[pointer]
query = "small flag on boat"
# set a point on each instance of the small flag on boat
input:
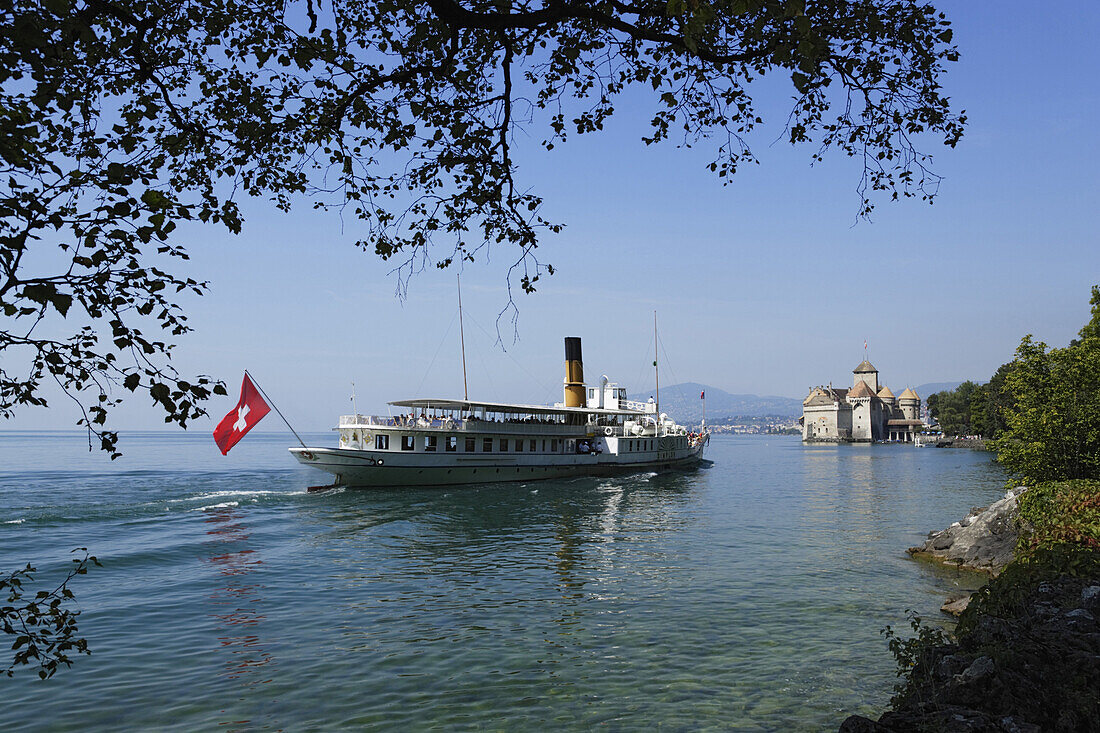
(250, 410)
(703, 395)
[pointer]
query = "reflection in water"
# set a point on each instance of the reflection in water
(242, 620)
(479, 547)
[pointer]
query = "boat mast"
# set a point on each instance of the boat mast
(656, 369)
(462, 338)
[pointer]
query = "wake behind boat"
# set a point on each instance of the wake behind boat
(596, 431)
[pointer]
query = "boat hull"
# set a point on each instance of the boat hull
(369, 469)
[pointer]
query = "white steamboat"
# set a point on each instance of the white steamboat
(596, 431)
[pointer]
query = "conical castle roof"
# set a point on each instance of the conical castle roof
(861, 390)
(885, 393)
(909, 394)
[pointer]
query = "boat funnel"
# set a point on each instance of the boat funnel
(574, 373)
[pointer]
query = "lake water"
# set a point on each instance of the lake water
(747, 595)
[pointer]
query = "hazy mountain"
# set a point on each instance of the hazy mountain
(925, 390)
(682, 403)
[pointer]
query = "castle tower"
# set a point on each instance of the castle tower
(910, 404)
(865, 413)
(867, 374)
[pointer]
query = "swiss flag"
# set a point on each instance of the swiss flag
(703, 395)
(249, 410)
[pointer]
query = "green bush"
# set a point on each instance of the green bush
(1053, 408)
(1062, 513)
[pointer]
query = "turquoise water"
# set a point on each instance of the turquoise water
(747, 595)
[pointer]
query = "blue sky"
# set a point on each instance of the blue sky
(764, 286)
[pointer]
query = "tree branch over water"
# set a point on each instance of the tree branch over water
(123, 119)
(44, 630)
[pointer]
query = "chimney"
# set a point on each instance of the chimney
(574, 373)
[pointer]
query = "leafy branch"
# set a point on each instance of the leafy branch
(44, 630)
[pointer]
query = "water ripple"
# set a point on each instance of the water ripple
(739, 597)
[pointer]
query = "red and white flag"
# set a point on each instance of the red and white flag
(703, 395)
(249, 410)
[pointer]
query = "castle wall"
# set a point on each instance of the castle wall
(861, 420)
(820, 423)
(844, 423)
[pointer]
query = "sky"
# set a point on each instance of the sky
(766, 286)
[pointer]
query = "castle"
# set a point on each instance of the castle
(863, 414)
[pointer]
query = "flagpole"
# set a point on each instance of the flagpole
(462, 338)
(272, 403)
(656, 369)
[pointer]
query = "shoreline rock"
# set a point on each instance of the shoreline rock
(1035, 666)
(984, 540)
(955, 605)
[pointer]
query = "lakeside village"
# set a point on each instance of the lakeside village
(751, 425)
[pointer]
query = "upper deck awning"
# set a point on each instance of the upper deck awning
(507, 408)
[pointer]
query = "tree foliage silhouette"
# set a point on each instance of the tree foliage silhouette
(122, 119)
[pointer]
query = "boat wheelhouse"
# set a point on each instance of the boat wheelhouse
(595, 431)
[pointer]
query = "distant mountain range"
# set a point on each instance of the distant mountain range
(681, 402)
(925, 390)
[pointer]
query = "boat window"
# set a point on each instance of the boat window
(487, 445)
(452, 443)
(381, 442)
(430, 442)
(553, 445)
(519, 445)
(503, 445)
(471, 445)
(544, 445)
(570, 446)
(407, 442)
(531, 447)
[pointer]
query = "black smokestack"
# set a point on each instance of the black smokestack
(573, 349)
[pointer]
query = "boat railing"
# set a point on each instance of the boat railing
(468, 425)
